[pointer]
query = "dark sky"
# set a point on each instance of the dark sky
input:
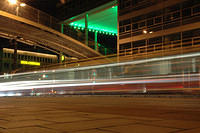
(48, 6)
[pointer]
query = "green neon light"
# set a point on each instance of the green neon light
(104, 22)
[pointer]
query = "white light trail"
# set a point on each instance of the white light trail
(26, 85)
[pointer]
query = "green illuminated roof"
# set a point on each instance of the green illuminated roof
(99, 20)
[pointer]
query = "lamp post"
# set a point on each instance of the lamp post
(13, 42)
(18, 4)
(146, 33)
(13, 2)
(147, 36)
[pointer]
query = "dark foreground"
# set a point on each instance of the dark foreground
(87, 114)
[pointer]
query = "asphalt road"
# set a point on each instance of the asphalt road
(99, 114)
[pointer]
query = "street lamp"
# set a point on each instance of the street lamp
(22, 4)
(146, 32)
(15, 2)
(19, 5)
(13, 42)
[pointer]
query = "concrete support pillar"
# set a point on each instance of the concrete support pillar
(2, 60)
(15, 55)
(86, 29)
(118, 47)
(60, 58)
(105, 51)
(13, 43)
(96, 41)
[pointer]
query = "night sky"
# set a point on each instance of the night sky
(51, 7)
(48, 6)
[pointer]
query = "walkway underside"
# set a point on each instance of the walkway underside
(30, 32)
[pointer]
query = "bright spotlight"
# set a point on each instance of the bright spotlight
(22, 4)
(145, 31)
(12, 2)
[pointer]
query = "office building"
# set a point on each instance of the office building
(153, 25)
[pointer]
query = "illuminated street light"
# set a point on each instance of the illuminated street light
(145, 31)
(22, 4)
(12, 2)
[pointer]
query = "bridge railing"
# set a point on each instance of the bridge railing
(39, 17)
(144, 52)
(43, 18)
(179, 45)
(32, 14)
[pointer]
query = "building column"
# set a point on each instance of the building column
(60, 60)
(86, 29)
(62, 28)
(2, 59)
(118, 45)
(15, 55)
(105, 51)
(96, 41)
(13, 43)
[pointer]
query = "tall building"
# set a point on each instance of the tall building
(153, 25)
(25, 59)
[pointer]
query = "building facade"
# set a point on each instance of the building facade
(25, 59)
(146, 26)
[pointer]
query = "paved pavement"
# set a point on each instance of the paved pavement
(88, 114)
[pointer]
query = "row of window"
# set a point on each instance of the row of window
(10, 66)
(29, 58)
(126, 6)
(185, 36)
(165, 11)
(158, 20)
(128, 3)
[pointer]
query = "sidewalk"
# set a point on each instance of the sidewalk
(99, 115)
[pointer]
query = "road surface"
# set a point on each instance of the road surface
(99, 114)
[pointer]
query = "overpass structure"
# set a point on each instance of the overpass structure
(34, 27)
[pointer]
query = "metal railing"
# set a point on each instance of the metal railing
(43, 18)
(79, 34)
(39, 17)
(32, 14)
(178, 45)
(163, 21)
(144, 52)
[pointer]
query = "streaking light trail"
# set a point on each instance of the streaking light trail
(26, 85)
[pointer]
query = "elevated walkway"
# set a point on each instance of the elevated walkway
(34, 27)
(171, 48)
